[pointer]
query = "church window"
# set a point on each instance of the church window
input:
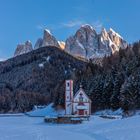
(81, 98)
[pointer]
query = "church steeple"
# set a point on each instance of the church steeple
(68, 97)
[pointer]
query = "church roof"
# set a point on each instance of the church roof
(81, 90)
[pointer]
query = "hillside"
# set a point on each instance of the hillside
(36, 78)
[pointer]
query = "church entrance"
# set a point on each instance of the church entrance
(81, 112)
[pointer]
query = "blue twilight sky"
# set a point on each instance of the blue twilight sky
(22, 20)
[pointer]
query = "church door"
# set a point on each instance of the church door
(81, 112)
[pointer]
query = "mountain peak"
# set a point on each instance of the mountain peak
(88, 44)
(23, 48)
(49, 39)
(48, 31)
(111, 31)
(87, 26)
(104, 32)
(28, 43)
(38, 43)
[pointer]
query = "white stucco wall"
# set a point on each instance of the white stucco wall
(86, 102)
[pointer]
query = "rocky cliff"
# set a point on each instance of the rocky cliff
(48, 40)
(88, 44)
(23, 48)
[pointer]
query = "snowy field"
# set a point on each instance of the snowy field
(33, 128)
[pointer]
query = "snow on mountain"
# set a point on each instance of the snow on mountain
(48, 40)
(115, 33)
(84, 43)
(117, 39)
(87, 26)
(23, 48)
(88, 44)
(41, 65)
(47, 30)
(1, 59)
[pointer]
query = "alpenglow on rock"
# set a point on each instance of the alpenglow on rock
(48, 40)
(117, 39)
(23, 48)
(88, 44)
(61, 44)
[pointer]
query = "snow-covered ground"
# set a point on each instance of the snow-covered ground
(34, 128)
(46, 111)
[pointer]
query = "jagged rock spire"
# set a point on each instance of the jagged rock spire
(88, 44)
(23, 48)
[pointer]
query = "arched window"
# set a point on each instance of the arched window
(68, 84)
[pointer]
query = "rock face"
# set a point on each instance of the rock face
(117, 39)
(38, 43)
(23, 48)
(48, 40)
(84, 43)
(88, 44)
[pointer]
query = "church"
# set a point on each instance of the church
(78, 104)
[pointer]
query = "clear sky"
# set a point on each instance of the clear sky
(22, 20)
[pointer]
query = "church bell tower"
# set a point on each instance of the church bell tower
(68, 97)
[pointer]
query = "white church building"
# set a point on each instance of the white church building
(79, 104)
